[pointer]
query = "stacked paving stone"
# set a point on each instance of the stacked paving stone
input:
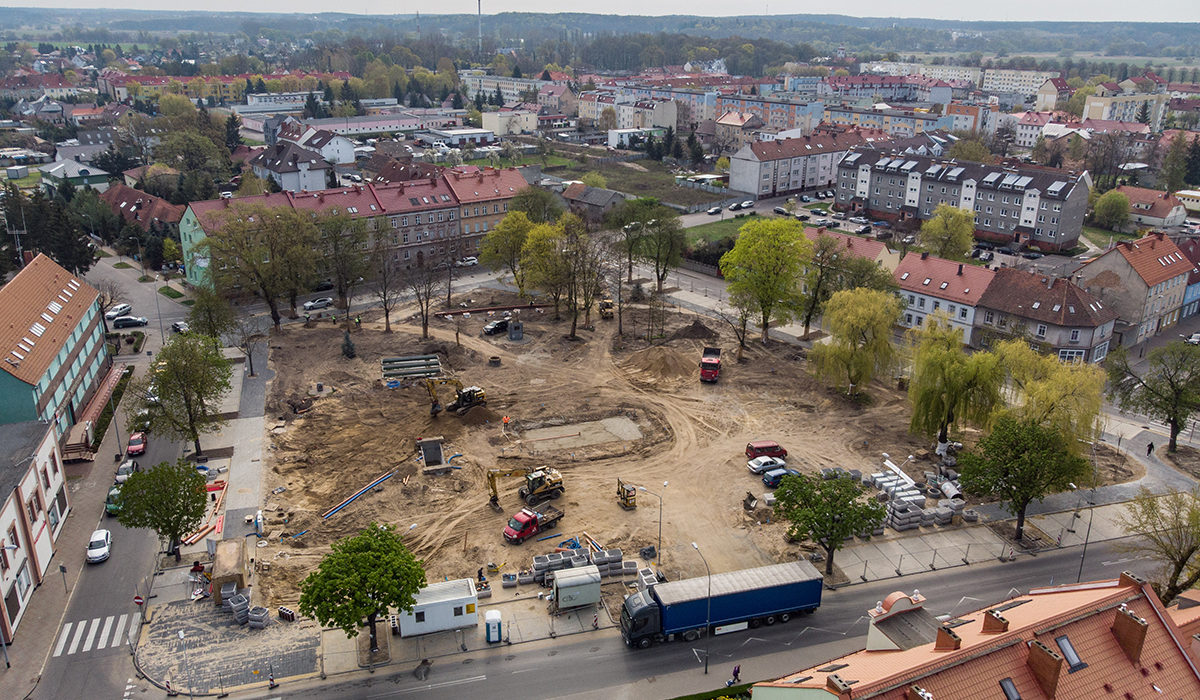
(240, 605)
(258, 618)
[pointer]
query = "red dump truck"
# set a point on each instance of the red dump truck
(710, 364)
(530, 522)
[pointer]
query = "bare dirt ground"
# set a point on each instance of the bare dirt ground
(665, 426)
(1186, 459)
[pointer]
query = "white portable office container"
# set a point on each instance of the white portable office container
(445, 605)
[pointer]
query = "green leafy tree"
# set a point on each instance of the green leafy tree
(826, 511)
(211, 314)
(233, 132)
(184, 389)
(1111, 210)
(1143, 113)
(1021, 461)
(594, 179)
(1166, 529)
(1065, 396)
(501, 247)
(343, 238)
(947, 384)
(764, 269)
(1175, 163)
(538, 204)
(1167, 390)
(971, 149)
(819, 276)
(662, 245)
(169, 499)
(546, 263)
(949, 233)
(191, 152)
(607, 120)
(865, 273)
(363, 578)
(860, 324)
(630, 218)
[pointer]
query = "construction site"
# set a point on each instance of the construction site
(597, 434)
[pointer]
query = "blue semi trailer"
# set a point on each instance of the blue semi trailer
(740, 599)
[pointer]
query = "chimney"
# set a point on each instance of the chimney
(947, 639)
(1131, 579)
(1130, 631)
(834, 683)
(960, 269)
(925, 255)
(916, 692)
(994, 623)
(1046, 666)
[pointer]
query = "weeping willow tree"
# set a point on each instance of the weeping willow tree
(948, 385)
(1062, 396)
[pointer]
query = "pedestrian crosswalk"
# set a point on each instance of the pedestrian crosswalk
(96, 634)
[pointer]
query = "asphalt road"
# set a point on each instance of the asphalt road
(598, 665)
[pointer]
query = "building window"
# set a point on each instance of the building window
(1069, 653)
(1041, 330)
(962, 313)
(24, 583)
(419, 616)
(921, 302)
(1075, 335)
(988, 317)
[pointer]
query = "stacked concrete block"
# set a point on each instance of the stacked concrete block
(258, 618)
(942, 515)
(228, 590)
(646, 578)
(629, 568)
(240, 605)
(901, 516)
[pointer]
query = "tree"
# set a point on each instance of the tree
(169, 499)
(948, 385)
(189, 151)
(211, 314)
(607, 120)
(587, 265)
(538, 204)
(422, 282)
(246, 335)
(818, 277)
(764, 268)
(1175, 163)
(111, 294)
(362, 578)
(252, 185)
(860, 322)
(630, 218)
(1166, 529)
(501, 247)
(1168, 390)
(184, 390)
(594, 179)
(387, 281)
(949, 233)
(1065, 396)
(1021, 461)
(826, 511)
(1111, 210)
(971, 149)
(343, 238)
(233, 132)
(662, 245)
(265, 250)
(1143, 113)
(546, 263)
(722, 164)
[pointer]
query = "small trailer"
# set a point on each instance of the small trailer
(575, 588)
(445, 605)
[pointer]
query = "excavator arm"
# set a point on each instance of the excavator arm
(435, 386)
(493, 475)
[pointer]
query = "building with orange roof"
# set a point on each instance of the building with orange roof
(1152, 208)
(483, 195)
(142, 209)
(52, 340)
(868, 248)
(1101, 639)
(1144, 281)
(929, 284)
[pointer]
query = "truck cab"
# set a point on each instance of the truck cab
(528, 522)
(710, 364)
(641, 621)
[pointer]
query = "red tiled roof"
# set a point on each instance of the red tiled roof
(39, 309)
(1155, 203)
(868, 248)
(485, 185)
(139, 207)
(1055, 301)
(945, 279)
(1154, 258)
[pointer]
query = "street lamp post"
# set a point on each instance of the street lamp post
(157, 312)
(708, 609)
(186, 668)
(141, 260)
(660, 512)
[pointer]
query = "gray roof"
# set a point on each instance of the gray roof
(1050, 182)
(910, 628)
(18, 441)
(70, 168)
(736, 581)
(445, 590)
(285, 157)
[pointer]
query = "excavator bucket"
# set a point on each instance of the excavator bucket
(750, 502)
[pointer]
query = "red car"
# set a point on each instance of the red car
(137, 445)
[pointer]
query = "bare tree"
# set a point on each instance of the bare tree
(423, 283)
(111, 294)
(738, 319)
(246, 335)
(388, 285)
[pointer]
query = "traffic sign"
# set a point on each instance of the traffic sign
(137, 600)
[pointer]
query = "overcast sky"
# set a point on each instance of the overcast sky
(1093, 10)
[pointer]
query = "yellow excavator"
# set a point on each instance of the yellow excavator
(465, 398)
(541, 484)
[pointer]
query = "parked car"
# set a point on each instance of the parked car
(467, 261)
(863, 229)
(805, 198)
(735, 206)
(1193, 339)
(748, 204)
(771, 479)
(780, 211)
(118, 310)
(323, 286)
(821, 222)
(858, 220)
(112, 503)
(713, 211)
(99, 546)
(180, 327)
(320, 303)
(770, 448)
(881, 224)
(984, 245)
(127, 467)
(758, 465)
(1032, 255)
(986, 256)
(839, 214)
(827, 194)
(129, 321)
(801, 216)
(137, 445)
(500, 325)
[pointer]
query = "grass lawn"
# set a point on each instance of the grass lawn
(122, 265)
(1102, 236)
(188, 302)
(170, 292)
(145, 278)
(33, 179)
(719, 229)
(101, 253)
(644, 178)
(817, 206)
(523, 160)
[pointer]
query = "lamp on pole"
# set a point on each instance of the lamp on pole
(186, 669)
(708, 609)
(660, 511)
(141, 260)
(157, 312)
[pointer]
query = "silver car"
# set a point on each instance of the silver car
(99, 546)
(758, 465)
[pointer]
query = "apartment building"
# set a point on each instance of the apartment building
(142, 209)
(646, 114)
(930, 284)
(592, 104)
(733, 130)
(1033, 206)
(1028, 127)
(782, 166)
(775, 113)
(979, 118)
(1008, 81)
(1055, 313)
(694, 105)
(121, 86)
(333, 147)
(1144, 281)
(1052, 95)
(1152, 208)
(52, 338)
(558, 99)
(34, 508)
(511, 89)
(483, 195)
(900, 88)
(949, 74)
(293, 168)
(896, 122)
(1124, 102)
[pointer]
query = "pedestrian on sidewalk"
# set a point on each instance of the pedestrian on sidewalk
(1150, 449)
(736, 678)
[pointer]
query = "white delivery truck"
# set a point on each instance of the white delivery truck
(445, 605)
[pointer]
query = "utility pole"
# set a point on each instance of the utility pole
(479, 19)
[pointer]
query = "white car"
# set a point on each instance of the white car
(763, 464)
(127, 468)
(118, 310)
(467, 261)
(1193, 339)
(99, 546)
(747, 204)
(320, 303)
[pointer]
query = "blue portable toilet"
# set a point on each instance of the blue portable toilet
(492, 627)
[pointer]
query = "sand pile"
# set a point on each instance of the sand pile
(661, 363)
(695, 331)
